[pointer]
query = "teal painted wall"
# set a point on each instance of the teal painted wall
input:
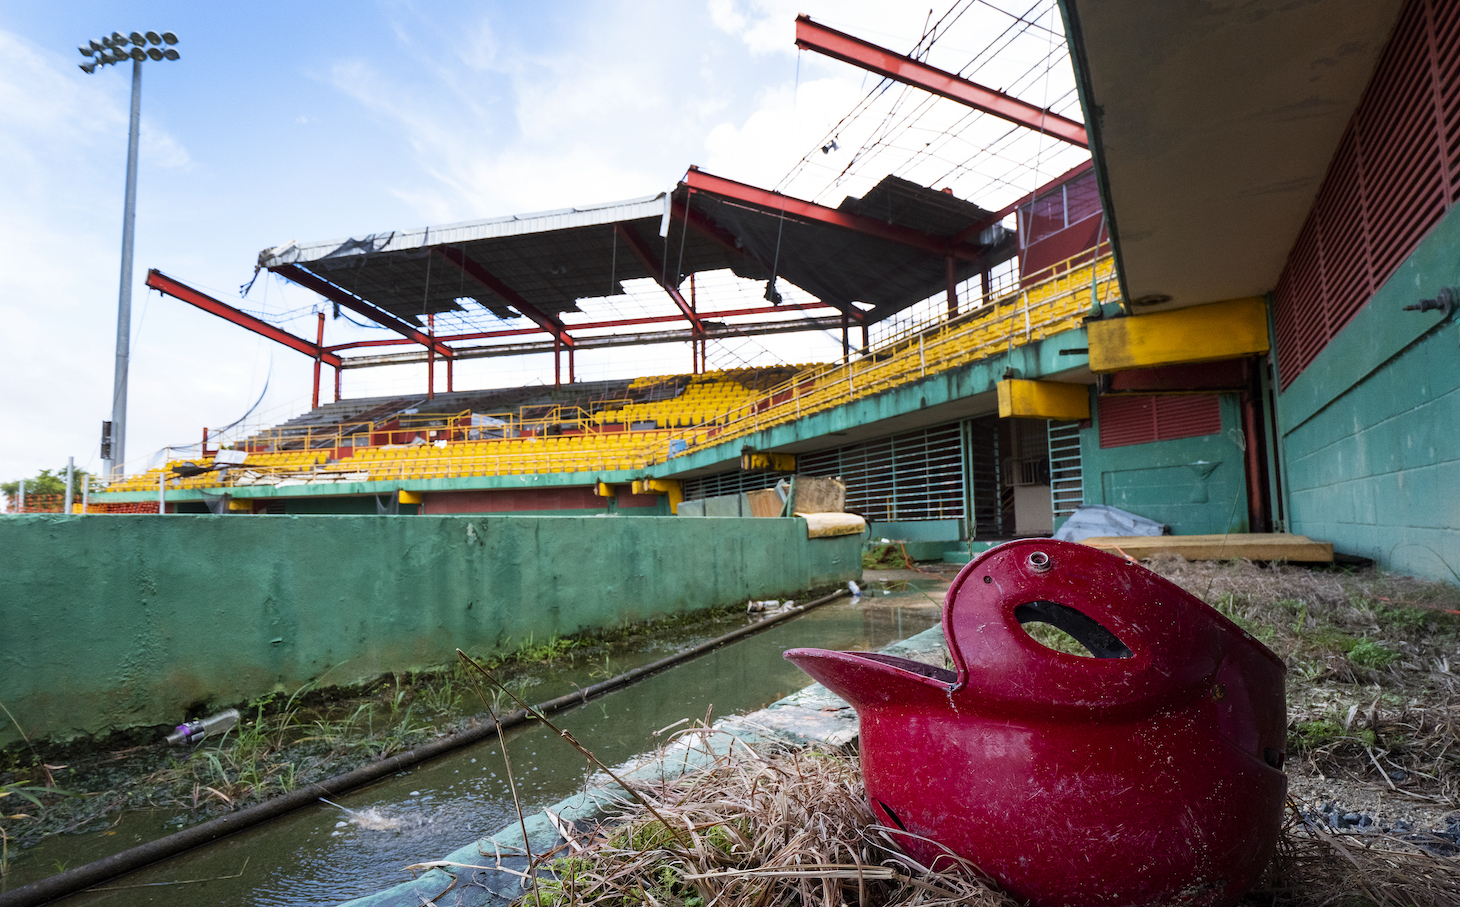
(1371, 429)
(1195, 485)
(123, 621)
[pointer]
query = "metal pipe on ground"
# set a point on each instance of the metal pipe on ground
(95, 873)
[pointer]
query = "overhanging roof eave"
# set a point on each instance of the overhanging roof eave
(468, 231)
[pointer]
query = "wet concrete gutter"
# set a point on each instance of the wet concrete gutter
(470, 874)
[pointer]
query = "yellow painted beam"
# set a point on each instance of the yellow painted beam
(780, 462)
(410, 497)
(605, 490)
(670, 487)
(1043, 399)
(1204, 333)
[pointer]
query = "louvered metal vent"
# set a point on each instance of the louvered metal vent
(1139, 420)
(1395, 174)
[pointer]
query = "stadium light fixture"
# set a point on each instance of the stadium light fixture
(115, 48)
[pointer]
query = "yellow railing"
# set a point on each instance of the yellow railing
(1034, 312)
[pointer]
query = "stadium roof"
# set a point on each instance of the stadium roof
(868, 259)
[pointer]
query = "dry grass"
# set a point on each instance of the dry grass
(1373, 701)
(1373, 667)
(791, 826)
(764, 828)
(1315, 868)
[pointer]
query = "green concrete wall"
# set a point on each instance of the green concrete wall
(122, 621)
(1371, 429)
(1173, 482)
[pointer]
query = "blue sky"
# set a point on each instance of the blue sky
(313, 121)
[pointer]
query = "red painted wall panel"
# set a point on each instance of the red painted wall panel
(513, 500)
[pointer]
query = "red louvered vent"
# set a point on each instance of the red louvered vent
(1395, 174)
(1139, 420)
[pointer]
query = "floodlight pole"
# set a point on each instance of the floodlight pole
(124, 296)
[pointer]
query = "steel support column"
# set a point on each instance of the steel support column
(846, 343)
(431, 358)
(318, 362)
(952, 276)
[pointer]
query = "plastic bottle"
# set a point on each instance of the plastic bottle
(212, 726)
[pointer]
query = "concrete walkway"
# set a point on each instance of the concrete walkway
(488, 872)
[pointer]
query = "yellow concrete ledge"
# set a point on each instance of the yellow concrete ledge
(1204, 333)
(1043, 399)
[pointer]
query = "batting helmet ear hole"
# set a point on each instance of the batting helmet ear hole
(1065, 629)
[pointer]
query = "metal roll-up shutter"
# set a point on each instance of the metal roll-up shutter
(915, 475)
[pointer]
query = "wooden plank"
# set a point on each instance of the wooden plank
(1267, 546)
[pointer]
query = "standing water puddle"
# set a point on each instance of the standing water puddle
(327, 854)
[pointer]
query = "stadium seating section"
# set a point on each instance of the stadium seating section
(617, 426)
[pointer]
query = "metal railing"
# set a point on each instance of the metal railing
(1038, 310)
(575, 439)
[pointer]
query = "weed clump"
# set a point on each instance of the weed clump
(1373, 667)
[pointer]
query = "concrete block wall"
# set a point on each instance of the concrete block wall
(1371, 429)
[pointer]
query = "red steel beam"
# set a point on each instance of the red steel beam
(656, 270)
(443, 338)
(902, 68)
(709, 229)
(481, 275)
(699, 181)
(162, 283)
(351, 301)
(585, 326)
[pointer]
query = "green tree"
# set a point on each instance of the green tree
(47, 482)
